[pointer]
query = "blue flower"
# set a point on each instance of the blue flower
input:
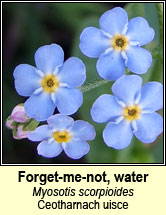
(130, 111)
(62, 133)
(118, 44)
(52, 84)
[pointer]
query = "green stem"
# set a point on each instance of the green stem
(157, 52)
(157, 72)
(159, 7)
(93, 84)
(97, 82)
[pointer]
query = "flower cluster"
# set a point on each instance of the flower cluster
(131, 110)
(53, 83)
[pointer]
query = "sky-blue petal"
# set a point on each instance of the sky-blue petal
(119, 135)
(93, 42)
(140, 31)
(105, 109)
(149, 126)
(48, 57)
(111, 66)
(127, 87)
(83, 130)
(26, 79)
(76, 149)
(68, 100)
(114, 21)
(39, 107)
(151, 96)
(60, 121)
(41, 133)
(49, 150)
(73, 72)
(138, 59)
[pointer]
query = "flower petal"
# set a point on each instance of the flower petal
(127, 87)
(139, 31)
(76, 148)
(111, 65)
(119, 135)
(149, 126)
(114, 21)
(138, 59)
(83, 130)
(93, 42)
(26, 79)
(39, 107)
(105, 109)
(69, 100)
(151, 96)
(73, 72)
(40, 133)
(49, 150)
(48, 57)
(60, 121)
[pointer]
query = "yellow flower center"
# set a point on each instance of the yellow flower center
(61, 136)
(49, 83)
(131, 112)
(119, 42)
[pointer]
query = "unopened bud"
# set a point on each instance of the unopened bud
(9, 124)
(18, 114)
(19, 133)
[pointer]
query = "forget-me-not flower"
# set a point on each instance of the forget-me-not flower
(118, 44)
(52, 84)
(63, 133)
(131, 110)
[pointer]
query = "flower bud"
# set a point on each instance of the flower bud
(18, 114)
(9, 123)
(19, 133)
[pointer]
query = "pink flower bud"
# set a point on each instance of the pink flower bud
(20, 133)
(9, 124)
(18, 114)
